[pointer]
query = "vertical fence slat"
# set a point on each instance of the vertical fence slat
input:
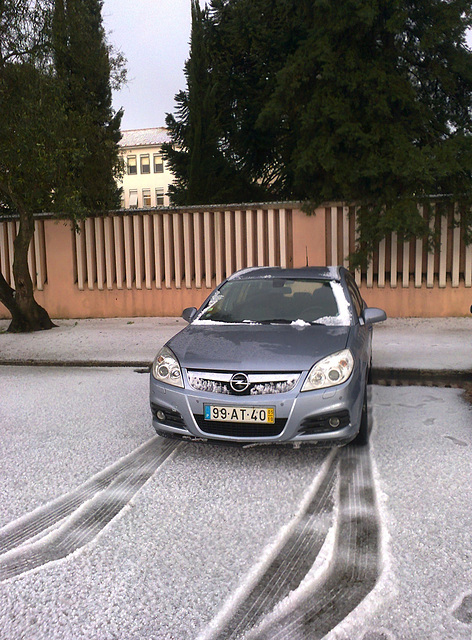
(138, 251)
(219, 246)
(197, 235)
(260, 238)
(358, 271)
(168, 250)
(418, 263)
(346, 237)
(334, 236)
(456, 247)
(393, 260)
(80, 255)
(283, 237)
(129, 251)
(40, 254)
(382, 262)
(208, 248)
(406, 265)
(178, 249)
(239, 238)
(158, 250)
(188, 253)
(229, 243)
(118, 233)
(430, 258)
(272, 243)
(109, 252)
(250, 237)
(419, 257)
(100, 253)
(443, 253)
(90, 253)
(148, 251)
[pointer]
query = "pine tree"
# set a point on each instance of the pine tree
(82, 64)
(204, 174)
(362, 101)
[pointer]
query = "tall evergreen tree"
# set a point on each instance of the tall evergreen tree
(364, 101)
(377, 103)
(204, 174)
(82, 64)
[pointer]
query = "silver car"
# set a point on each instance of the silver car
(272, 356)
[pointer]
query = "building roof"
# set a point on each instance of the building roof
(144, 137)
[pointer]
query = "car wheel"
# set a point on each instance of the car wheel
(362, 438)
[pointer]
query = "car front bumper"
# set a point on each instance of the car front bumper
(299, 416)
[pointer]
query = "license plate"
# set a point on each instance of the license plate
(264, 415)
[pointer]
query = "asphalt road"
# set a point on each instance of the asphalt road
(109, 532)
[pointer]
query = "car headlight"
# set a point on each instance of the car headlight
(333, 370)
(166, 368)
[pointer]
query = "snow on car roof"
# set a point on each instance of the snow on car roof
(317, 273)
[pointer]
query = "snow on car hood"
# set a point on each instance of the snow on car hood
(255, 347)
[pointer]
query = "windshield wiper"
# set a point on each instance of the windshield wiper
(275, 321)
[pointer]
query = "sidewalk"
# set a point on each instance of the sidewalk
(438, 344)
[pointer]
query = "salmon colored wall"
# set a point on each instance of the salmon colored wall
(309, 233)
(421, 302)
(62, 298)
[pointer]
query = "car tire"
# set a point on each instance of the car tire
(362, 438)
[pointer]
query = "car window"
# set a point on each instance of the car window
(274, 300)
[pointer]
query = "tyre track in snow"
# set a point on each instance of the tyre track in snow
(355, 564)
(293, 560)
(66, 524)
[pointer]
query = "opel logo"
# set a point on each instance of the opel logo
(239, 382)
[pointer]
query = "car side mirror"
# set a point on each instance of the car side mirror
(188, 314)
(371, 315)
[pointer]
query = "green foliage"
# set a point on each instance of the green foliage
(204, 172)
(364, 101)
(58, 133)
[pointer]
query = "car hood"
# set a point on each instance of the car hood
(256, 347)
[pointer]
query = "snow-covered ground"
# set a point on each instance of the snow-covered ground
(192, 534)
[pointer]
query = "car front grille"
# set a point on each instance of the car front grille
(257, 383)
(240, 429)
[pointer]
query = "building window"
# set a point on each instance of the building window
(158, 163)
(159, 196)
(146, 197)
(133, 199)
(132, 167)
(145, 166)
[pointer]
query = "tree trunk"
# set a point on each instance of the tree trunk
(27, 314)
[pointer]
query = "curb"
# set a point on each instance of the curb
(386, 376)
(145, 364)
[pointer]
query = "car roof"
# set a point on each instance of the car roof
(308, 273)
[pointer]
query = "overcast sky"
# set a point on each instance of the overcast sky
(154, 36)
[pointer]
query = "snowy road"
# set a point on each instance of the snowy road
(108, 532)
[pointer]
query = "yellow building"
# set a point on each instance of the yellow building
(146, 178)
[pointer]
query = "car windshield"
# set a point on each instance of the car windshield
(278, 301)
